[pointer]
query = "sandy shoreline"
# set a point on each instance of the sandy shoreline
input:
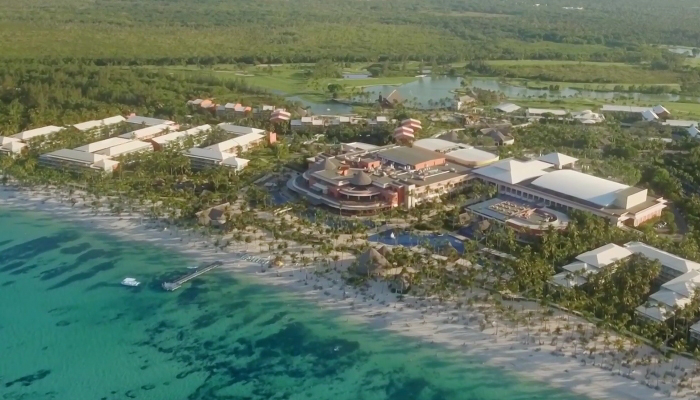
(516, 351)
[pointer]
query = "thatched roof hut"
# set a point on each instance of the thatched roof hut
(370, 262)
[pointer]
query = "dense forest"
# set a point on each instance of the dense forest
(36, 94)
(211, 31)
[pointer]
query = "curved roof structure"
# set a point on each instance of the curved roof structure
(361, 179)
(598, 191)
(472, 157)
(439, 145)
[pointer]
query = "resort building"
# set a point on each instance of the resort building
(208, 158)
(550, 181)
(499, 138)
(147, 121)
(102, 145)
(368, 181)
(588, 117)
(99, 124)
(149, 132)
(525, 218)
(10, 146)
(77, 161)
(404, 134)
(224, 153)
(239, 130)
(169, 139)
(649, 114)
(679, 276)
(28, 135)
(280, 116)
(537, 113)
(458, 153)
(357, 146)
(507, 108)
(577, 272)
(414, 124)
(130, 147)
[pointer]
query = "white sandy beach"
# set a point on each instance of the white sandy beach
(521, 350)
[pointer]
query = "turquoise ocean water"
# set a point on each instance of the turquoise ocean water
(69, 331)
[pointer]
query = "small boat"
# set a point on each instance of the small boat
(392, 235)
(440, 234)
(192, 267)
(336, 348)
(130, 282)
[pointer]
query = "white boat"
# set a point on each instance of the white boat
(130, 282)
(392, 235)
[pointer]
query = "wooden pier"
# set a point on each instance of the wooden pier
(170, 286)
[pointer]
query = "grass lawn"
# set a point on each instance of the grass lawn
(509, 63)
(590, 72)
(289, 79)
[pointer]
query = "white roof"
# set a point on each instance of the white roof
(241, 141)
(507, 107)
(471, 155)
(669, 298)
(148, 121)
(146, 132)
(12, 146)
(76, 156)
(541, 111)
(33, 133)
(240, 130)
(209, 153)
(8, 139)
(659, 109)
(169, 137)
(106, 164)
(567, 279)
(102, 144)
(629, 109)
(580, 266)
(666, 259)
(685, 284)
(654, 312)
(439, 145)
(235, 162)
(124, 148)
(512, 171)
(381, 118)
(230, 105)
(598, 191)
(89, 125)
(362, 146)
(649, 115)
(558, 159)
(693, 131)
(604, 255)
(680, 123)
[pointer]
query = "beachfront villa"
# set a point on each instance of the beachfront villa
(367, 181)
(76, 161)
(551, 181)
(679, 277)
(224, 153)
(14, 145)
(10, 146)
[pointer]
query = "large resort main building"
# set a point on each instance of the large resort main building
(533, 194)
